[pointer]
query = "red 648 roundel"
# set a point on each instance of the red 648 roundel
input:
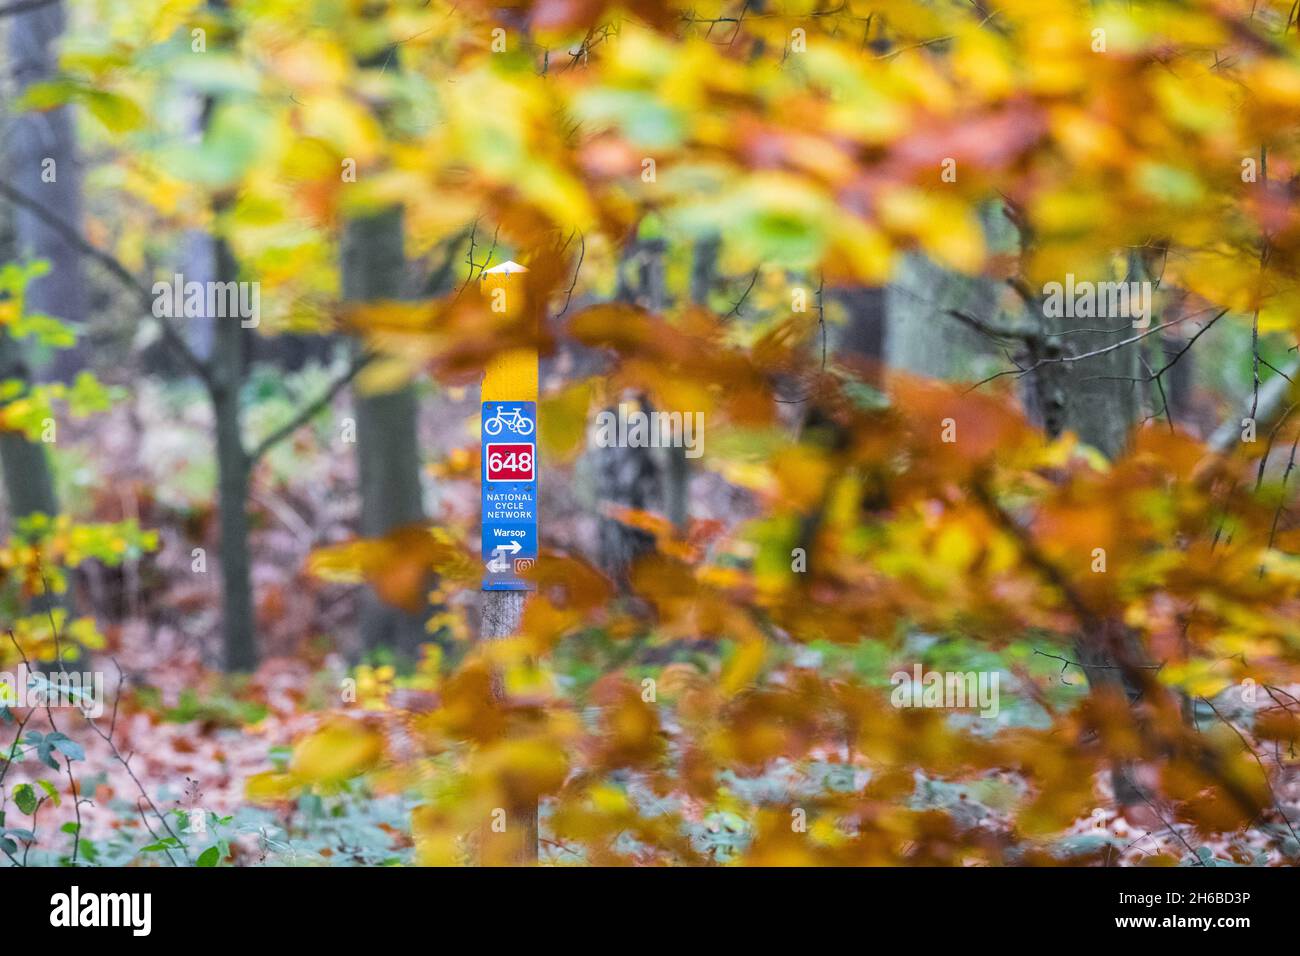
(510, 461)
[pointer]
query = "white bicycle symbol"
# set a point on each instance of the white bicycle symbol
(514, 420)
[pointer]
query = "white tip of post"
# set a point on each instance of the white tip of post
(509, 266)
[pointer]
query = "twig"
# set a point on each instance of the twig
(582, 255)
(990, 329)
(1264, 770)
(144, 794)
(310, 410)
(74, 237)
(1281, 504)
(49, 715)
(1068, 359)
(1170, 828)
(735, 309)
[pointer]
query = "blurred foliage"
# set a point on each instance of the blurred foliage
(723, 697)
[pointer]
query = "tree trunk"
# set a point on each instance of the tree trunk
(628, 477)
(196, 262)
(42, 164)
(704, 265)
(921, 337)
(1103, 396)
(861, 340)
(28, 483)
(1099, 398)
(863, 334)
(238, 633)
(1100, 407)
(43, 167)
(388, 448)
(677, 467)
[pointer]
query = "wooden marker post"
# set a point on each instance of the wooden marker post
(509, 494)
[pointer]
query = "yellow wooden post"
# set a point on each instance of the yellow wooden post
(511, 376)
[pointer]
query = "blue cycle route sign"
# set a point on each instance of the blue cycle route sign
(509, 452)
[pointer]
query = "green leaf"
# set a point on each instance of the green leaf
(1169, 183)
(118, 113)
(237, 137)
(66, 746)
(25, 797)
(210, 856)
(215, 73)
(89, 395)
(643, 118)
(166, 843)
(45, 329)
(47, 96)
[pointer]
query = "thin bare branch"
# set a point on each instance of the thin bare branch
(142, 292)
(310, 410)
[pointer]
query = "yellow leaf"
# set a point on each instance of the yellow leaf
(341, 749)
(744, 665)
(385, 374)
